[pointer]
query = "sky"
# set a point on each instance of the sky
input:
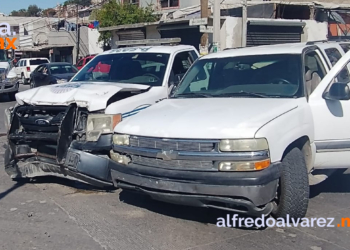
(23, 4)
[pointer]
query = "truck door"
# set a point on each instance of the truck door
(330, 105)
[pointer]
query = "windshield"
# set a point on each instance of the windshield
(62, 69)
(346, 47)
(37, 61)
(3, 57)
(134, 68)
(255, 76)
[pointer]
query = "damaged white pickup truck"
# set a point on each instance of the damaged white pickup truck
(250, 137)
(67, 128)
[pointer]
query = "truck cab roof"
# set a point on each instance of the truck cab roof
(167, 49)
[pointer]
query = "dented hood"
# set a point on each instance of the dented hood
(91, 95)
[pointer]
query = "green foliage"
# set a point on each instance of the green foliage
(32, 11)
(114, 13)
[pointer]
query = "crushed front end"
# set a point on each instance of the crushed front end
(46, 140)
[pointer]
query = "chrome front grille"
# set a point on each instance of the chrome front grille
(174, 164)
(172, 144)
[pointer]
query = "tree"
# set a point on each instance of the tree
(21, 12)
(48, 12)
(114, 13)
(33, 10)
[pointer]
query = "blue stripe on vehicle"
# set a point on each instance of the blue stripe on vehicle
(135, 110)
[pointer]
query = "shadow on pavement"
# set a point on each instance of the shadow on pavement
(75, 184)
(4, 98)
(336, 183)
(206, 216)
(14, 187)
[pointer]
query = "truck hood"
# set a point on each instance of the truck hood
(91, 95)
(207, 118)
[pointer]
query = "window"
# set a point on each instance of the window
(128, 67)
(22, 63)
(345, 47)
(3, 57)
(38, 61)
(314, 71)
(87, 60)
(131, 1)
(80, 63)
(62, 69)
(268, 75)
(334, 56)
(182, 62)
(40, 69)
(169, 3)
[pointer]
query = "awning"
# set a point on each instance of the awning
(274, 22)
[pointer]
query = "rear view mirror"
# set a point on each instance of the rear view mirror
(338, 91)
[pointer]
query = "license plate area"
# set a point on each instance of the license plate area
(72, 160)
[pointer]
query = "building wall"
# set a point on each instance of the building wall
(314, 31)
(182, 3)
(152, 32)
(95, 46)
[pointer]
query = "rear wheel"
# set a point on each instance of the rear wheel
(32, 84)
(293, 191)
(24, 80)
(12, 96)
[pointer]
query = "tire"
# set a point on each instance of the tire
(24, 80)
(12, 96)
(32, 84)
(293, 191)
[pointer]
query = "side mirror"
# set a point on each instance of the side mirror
(338, 91)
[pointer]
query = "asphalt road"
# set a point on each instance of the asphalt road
(56, 213)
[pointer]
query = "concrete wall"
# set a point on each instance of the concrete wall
(314, 31)
(95, 46)
(152, 32)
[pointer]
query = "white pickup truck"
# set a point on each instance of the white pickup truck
(67, 128)
(246, 131)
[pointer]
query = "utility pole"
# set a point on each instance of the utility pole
(244, 23)
(217, 25)
(204, 38)
(77, 34)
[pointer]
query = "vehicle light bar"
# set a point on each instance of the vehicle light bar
(171, 41)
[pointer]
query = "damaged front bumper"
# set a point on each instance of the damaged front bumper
(53, 145)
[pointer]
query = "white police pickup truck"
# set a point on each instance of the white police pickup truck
(246, 131)
(67, 128)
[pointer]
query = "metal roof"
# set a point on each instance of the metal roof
(289, 48)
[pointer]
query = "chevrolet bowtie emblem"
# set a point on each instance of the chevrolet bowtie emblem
(167, 155)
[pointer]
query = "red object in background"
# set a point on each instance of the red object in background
(81, 63)
(103, 68)
(28, 69)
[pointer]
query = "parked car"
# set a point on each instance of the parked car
(67, 128)
(26, 66)
(247, 130)
(82, 62)
(8, 79)
(52, 73)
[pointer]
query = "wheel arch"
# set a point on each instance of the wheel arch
(303, 143)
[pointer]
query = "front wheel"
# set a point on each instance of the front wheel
(32, 84)
(293, 190)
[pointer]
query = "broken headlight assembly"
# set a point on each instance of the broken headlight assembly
(98, 124)
(121, 140)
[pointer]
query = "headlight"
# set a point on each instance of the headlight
(61, 81)
(121, 140)
(243, 145)
(101, 124)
